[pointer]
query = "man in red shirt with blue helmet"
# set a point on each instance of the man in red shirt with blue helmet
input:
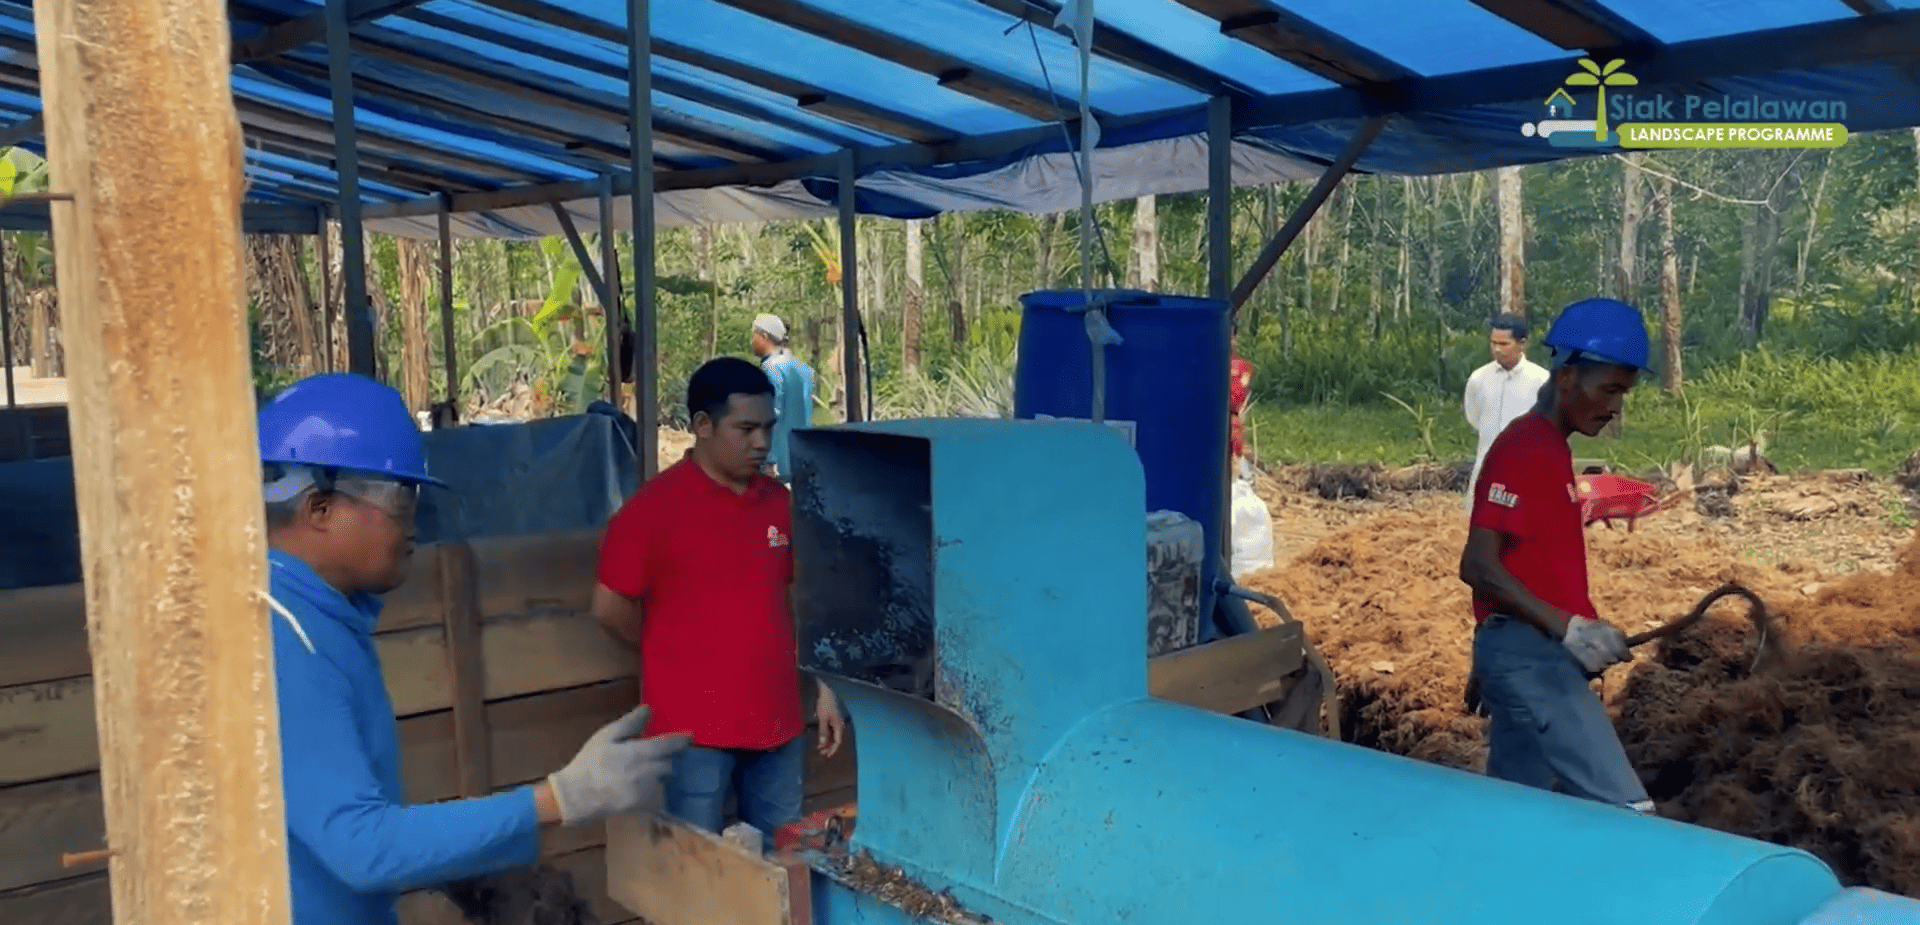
(1539, 635)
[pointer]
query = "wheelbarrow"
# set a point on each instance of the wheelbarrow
(1606, 498)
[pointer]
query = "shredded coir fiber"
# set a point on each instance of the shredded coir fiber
(1818, 749)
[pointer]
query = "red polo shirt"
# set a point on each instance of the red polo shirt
(1526, 491)
(1239, 387)
(711, 572)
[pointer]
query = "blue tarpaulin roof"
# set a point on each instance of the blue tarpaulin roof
(511, 105)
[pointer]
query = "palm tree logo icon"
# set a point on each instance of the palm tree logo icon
(1600, 78)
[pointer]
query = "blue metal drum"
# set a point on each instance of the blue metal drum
(1166, 388)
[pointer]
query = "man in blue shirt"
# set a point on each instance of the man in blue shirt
(344, 463)
(792, 390)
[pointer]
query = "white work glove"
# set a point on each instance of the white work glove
(615, 772)
(1595, 644)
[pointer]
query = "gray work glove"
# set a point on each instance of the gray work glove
(1595, 644)
(616, 772)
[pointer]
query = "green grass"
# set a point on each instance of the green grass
(1819, 414)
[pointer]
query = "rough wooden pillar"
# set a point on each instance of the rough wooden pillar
(154, 314)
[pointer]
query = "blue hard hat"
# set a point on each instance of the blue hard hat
(1602, 329)
(346, 421)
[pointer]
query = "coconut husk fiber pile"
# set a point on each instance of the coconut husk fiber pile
(1818, 748)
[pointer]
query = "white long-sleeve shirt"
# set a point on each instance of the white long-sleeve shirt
(1495, 397)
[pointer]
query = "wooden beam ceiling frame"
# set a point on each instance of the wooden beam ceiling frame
(1120, 48)
(1300, 42)
(671, 86)
(1893, 37)
(601, 107)
(1575, 25)
(954, 73)
(854, 112)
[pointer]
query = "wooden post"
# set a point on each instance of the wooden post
(171, 522)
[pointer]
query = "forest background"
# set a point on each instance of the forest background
(1782, 287)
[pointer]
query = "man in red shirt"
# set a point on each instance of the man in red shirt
(1539, 635)
(1239, 389)
(696, 570)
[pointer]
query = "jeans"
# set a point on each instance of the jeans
(766, 786)
(1548, 728)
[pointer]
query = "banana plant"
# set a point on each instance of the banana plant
(561, 361)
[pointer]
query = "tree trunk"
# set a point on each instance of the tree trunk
(1376, 253)
(1344, 228)
(1405, 310)
(416, 287)
(1048, 234)
(1670, 330)
(1145, 265)
(1509, 191)
(1626, 269)
(703, 268)
(913, 304)
(1762, 234)
(957, 301)
(1813, 226)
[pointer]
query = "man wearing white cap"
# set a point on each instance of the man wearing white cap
(792, 389)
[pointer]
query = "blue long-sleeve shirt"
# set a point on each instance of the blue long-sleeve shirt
(792, 405)
(352, 842)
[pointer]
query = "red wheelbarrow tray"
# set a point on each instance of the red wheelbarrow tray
(1609, 497)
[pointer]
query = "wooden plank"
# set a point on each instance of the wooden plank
(548, 573)
(40, 821)
(169, 502)
(46, 631)
(1230, 675)
(84, 900)
(669, 873)
(46, 730)
(460, 602)
(531, 737)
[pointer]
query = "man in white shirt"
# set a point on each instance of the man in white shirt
(1502, 390)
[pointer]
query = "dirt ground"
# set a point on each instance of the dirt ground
(1819, 749)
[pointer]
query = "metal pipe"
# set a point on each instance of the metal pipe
(6, 324)
(1297, 222)
(1220, 264)
(640, 142)
(1083, 38)
(451, 355)
(610, 289)
(1220, 197)
(346, 163)
(850, 285)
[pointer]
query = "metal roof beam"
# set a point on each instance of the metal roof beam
(809, 97)
(376, 168)
(311, 29)
(1120, 48)
(600, 107)
(1869, 7)
(255, 217)
(1575, 25)
(254, 114)
(684, 89)
(1007, 92)
(1300, 42)
(1892, 37)
(373, 90)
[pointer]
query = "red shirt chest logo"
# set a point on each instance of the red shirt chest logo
(775, 539)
